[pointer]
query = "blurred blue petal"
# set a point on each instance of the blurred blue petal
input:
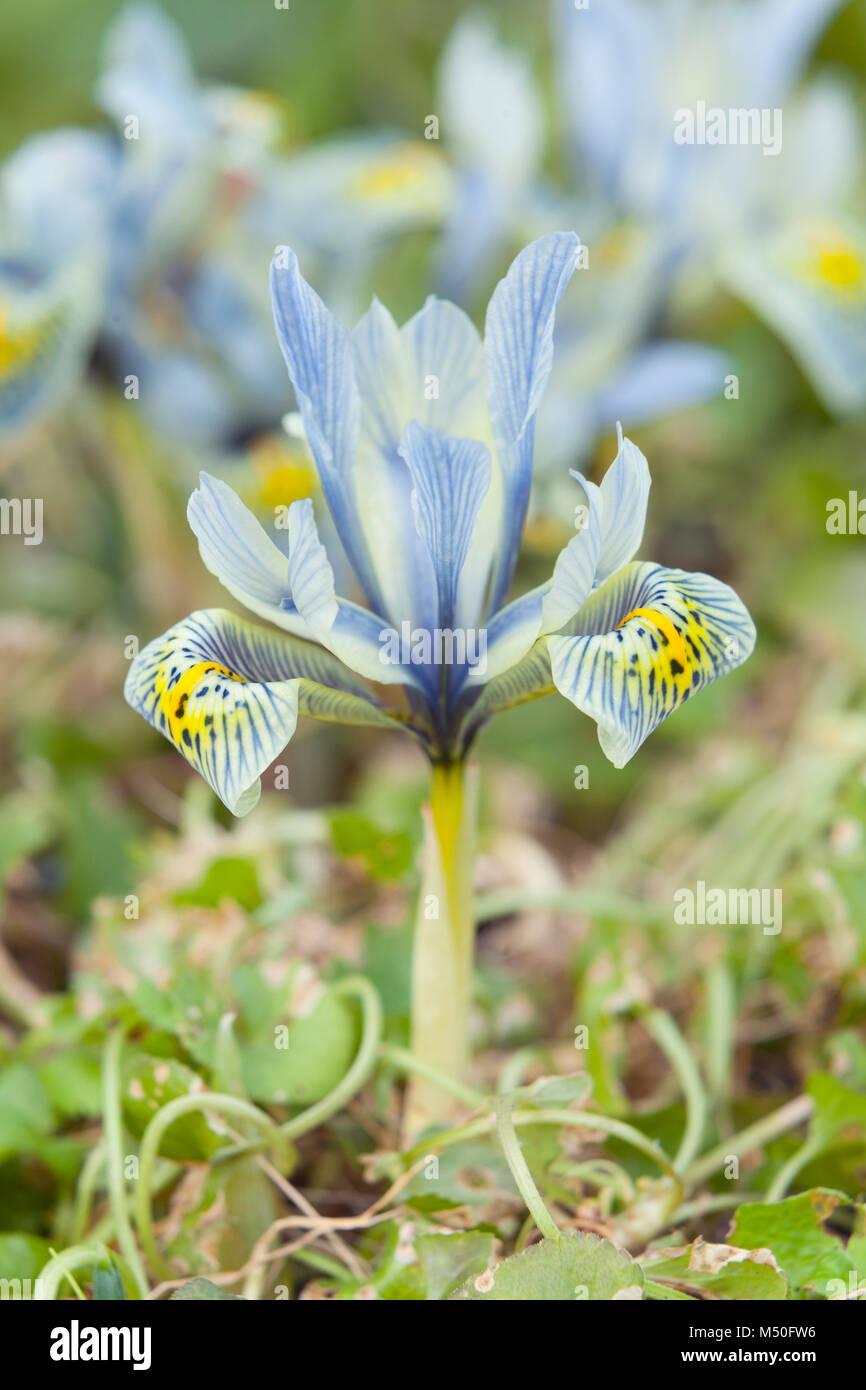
(660, 378)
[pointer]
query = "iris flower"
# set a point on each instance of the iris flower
(771, 219)
(608, 365)
(144, 240)
(423, 439)
(51, 270)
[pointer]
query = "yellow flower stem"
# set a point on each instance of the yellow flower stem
(444, 943)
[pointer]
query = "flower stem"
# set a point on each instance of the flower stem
(665, 1032)
(520, 1169)
(755, 1136)
(113, 1135)
(444, 943)
(580, 1119)
(207, 1102)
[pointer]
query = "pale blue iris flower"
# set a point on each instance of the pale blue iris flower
(152, 243)
(423, 437)
(52, 269)
(606, 368)
(685, 115)
(134, 244)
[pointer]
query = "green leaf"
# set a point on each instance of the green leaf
(447, 1260)
(98, 835)
(430, 1203)
(385, 854)
(22, 1256)
(794, 1231)
(572, 1267)
(296, 1061)
(838, 1111)
(26, 1115)
(24, 828)
(203, 1291)
(560, 1090)
(471, 1173)
(72, 1081)
(417, 1265)
(232, 878)
(151, 1082)
(725, 1270)
(387, 963)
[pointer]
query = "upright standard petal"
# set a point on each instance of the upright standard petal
(450, 477)
(228, 694)
(518, 343)
(318, 356)
(649, 639)
(430, 370)
(621, 500)
(148, 71)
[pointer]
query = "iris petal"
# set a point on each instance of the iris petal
(318, 356)
(431, 370)
(641, 645)
(622, 498)
(236, 548)
(650, 638)
(451, 477)
(44, 341)
(297, 591)
(518, 342)
(228, 694)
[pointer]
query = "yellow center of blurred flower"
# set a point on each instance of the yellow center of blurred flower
(403, 166)
(840, 266)
(16, 347)
(615, 247)
(284, 473)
